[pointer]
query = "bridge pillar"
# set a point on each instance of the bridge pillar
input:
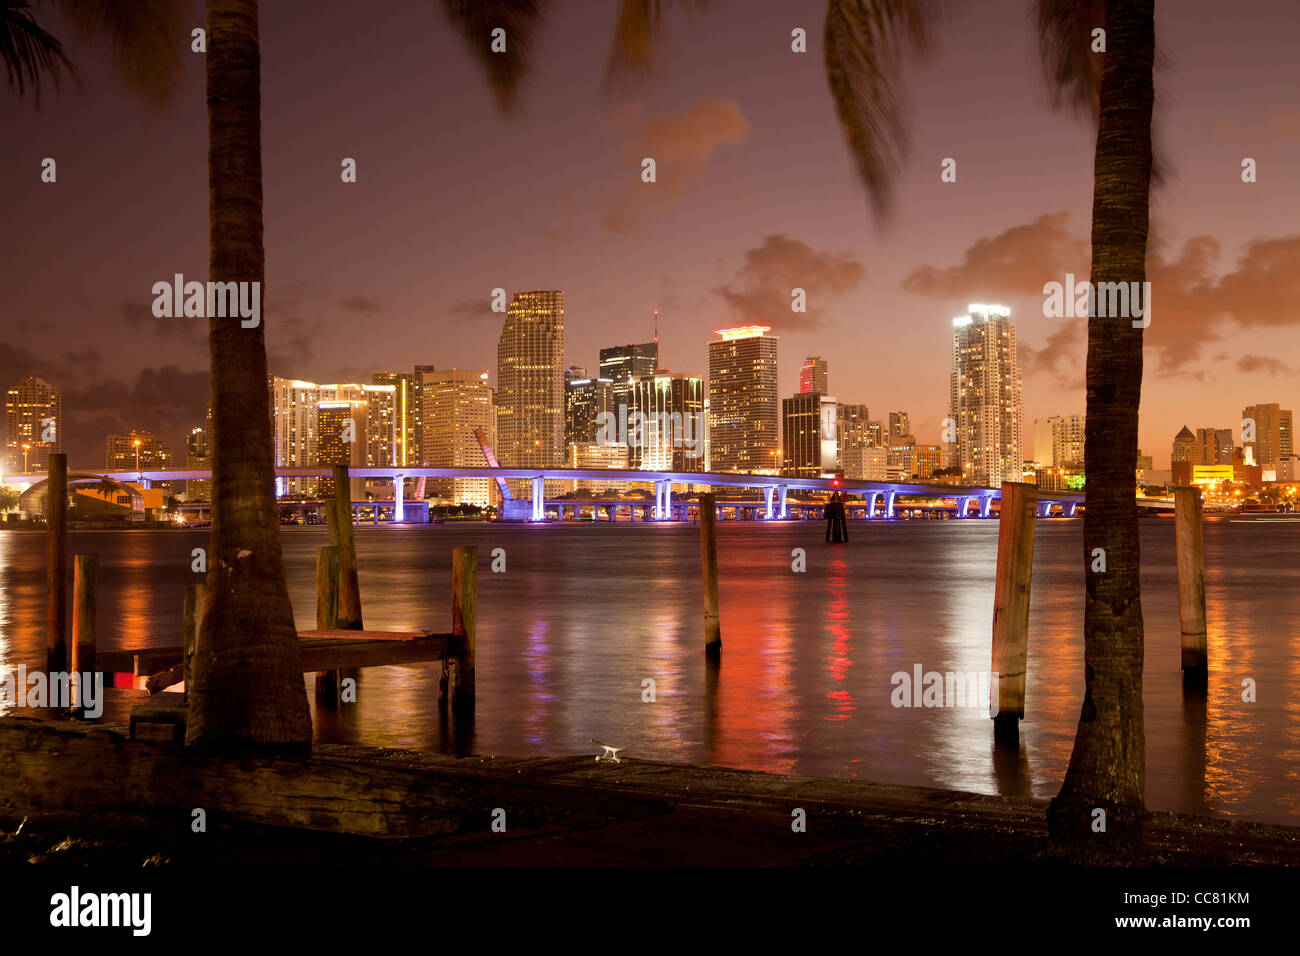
(871, 503)
(782, 492)
(1071, 508)
(963, 506)
(668, 500)
(539, 500)
(889, 503)
(986, 506)
(1045, 508)
(768, 494)
(399, 499)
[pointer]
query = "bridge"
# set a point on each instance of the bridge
(878, 497)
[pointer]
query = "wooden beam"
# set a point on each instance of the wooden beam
(709, 564)
(459, 673)
(1190, 548)
(85, 573)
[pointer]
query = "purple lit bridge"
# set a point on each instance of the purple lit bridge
(876, 499)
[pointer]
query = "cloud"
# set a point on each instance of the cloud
(138, 314)
(1018, 261)
(1062, 356)
(1263, 363)
(682, 147)
(361, 303)
(167, 401)
(1194, 303)
(472, 307)
(760, 292)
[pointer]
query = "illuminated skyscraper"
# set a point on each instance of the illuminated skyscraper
(673, 436)
(33, 425)
(137, 451)
(744, 407)
(1273, 435)
(530, 383)
(900, 429)
(198, 454)
(295, 428)
(810, 426)
(985, 396)
(406, 417)
(585, 399)
(812, 376)
(622, 363)
(456, 402)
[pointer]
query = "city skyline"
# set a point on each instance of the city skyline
(351, 290)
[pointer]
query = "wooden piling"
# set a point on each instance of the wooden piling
(56, 565)
(709, 562)
(349, 599)
(327, 603)
(1190, 547)
(195, 604)
(1011, 606)
(84, 576)
(458, 672)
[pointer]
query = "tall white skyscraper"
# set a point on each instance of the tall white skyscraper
(985, 399)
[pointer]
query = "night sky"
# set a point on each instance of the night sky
(756, 193)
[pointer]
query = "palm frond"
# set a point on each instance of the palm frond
(28, 50)
(864, 45)
(635, 35)
(475, 20)
(1065, 41)
(146, 38)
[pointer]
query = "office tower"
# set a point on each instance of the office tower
(586, 456)
(456, 402)
(625, 362)
(1213, 446)
(875, 432)
(900, 428)
(1273, 433)
(852, 420)
(865, 462)
(585, 400)
(1043, 455)
(406, 416)
(530, 384)
(341, 440)
(417, 378)
(810, 429)
(199, 445)
(744, 407)
(136, 451)
(669, 429)
(1066, 438)
(985, 396)
(33, 426)
(812, 376)
(296, 436)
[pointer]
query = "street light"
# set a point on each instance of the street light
(137, 456)
(26, 448)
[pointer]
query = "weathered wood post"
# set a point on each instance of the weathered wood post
(1189, 544)
(195, 603)
(1011, 607)
(327, 603)
(709, 562)
(458, 671)
(341, 534)
(85, 572)
(56, 566)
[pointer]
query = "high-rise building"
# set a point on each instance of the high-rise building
(671, 434)
(1183, 457)
(456, 402)
(341, 440)
(985, 398)
(33, 425)
(406, 417)
(1273, 433)
(744, 406)
(530, 384)
(813, 377)
(296, 435)
(900, 429)
(585, 400)
(1065, 438)
(852, 421)
(1214, 446)
(199, 444)
(810, 428)
(137, 451)
(417, 378)
(621, 363)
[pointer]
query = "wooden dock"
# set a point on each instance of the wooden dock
(322, 650)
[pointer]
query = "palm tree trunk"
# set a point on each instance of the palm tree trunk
(248, 682)
(1107, 769)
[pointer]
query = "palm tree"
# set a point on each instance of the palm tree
(864, 42)
(248, 684)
